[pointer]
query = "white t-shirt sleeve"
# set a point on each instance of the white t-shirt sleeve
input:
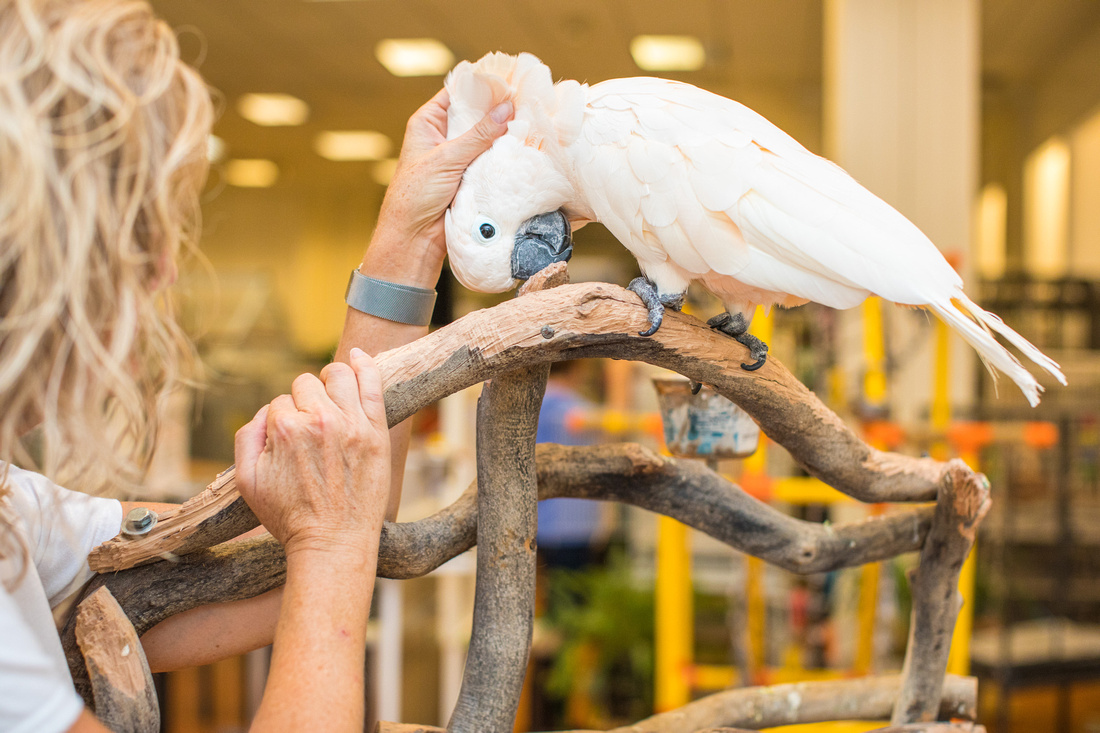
(37, 696)
(62, 528)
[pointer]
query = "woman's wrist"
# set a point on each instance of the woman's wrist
(405, 260)
(333, 548)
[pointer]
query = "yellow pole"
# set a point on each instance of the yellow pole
(874, 397)
(874, 354)
(940, 409)
(673, 633)
(756, 611)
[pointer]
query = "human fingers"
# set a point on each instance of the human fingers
(461, 151)
(248, 445)
(281, 409)
(370, 388)
(427, 127)
(340, 384)
(309, 393)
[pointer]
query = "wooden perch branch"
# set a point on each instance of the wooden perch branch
(962, 503)
(507, 522)
(683, 489)
(753, 708)
(577, 321)
(152, 593)
(122, 687)
(867, 698)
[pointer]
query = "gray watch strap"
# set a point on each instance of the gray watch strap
(393, 302)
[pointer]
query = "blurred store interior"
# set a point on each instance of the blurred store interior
(979, 120)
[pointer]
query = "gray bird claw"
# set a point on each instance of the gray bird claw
(695, 386)
(654, 302)
(735, 325)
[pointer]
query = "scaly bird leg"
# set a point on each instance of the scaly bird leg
(736, 325)
(654, 302)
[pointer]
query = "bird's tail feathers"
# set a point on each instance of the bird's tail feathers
(977, 328)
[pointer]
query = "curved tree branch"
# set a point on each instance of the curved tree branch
(569, 322)
(507, 521)
(684, 489)
(963, 502)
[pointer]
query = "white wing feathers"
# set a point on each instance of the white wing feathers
(716, 187)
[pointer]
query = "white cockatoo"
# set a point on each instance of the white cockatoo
(698, 188)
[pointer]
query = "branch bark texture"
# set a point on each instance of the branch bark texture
(963, 501)
(504, 597)
(122, 686)
(569, 322)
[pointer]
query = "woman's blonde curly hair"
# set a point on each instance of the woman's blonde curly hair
(103, 136)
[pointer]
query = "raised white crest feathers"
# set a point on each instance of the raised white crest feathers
(698, 188)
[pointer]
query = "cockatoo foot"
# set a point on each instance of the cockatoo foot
(735, 324)
(654, 302)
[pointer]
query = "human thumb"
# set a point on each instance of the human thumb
(249, 443)
(475, 141)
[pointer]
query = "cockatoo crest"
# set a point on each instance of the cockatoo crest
(545, 112)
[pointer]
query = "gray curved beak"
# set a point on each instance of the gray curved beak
(541, 241)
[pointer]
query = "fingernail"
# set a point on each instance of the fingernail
(501, 112)
(357, 353)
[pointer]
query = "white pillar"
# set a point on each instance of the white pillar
(389, 658)
(902, 85)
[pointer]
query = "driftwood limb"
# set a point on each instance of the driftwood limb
(122, 687)
(965, 727)
(683, 489)
(963, 501)
(867, 698)
(753, 708)
(507, 522)
(215, 515)
(593, 320)
(152, 593)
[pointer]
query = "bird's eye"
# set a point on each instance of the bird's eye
(486, 230)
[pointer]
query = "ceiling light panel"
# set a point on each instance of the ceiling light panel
(273, 110)
(352, 145)
(668, 53)
(215, 148)
(414, 56)
(251, 172)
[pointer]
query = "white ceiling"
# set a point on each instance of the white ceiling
(765, 53)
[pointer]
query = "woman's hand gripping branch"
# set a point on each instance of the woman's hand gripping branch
(314, 466)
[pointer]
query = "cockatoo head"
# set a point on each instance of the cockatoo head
(506, 222)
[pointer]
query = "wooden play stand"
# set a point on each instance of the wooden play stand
(512, 345)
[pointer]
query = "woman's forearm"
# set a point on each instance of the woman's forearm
(391, 259)
(316, 680)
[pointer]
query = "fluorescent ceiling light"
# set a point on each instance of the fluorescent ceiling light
(273, 110)
(251, 172)
(668, 53)
(414, 56)
(383, 171)
(352, 145)
(215, 148)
